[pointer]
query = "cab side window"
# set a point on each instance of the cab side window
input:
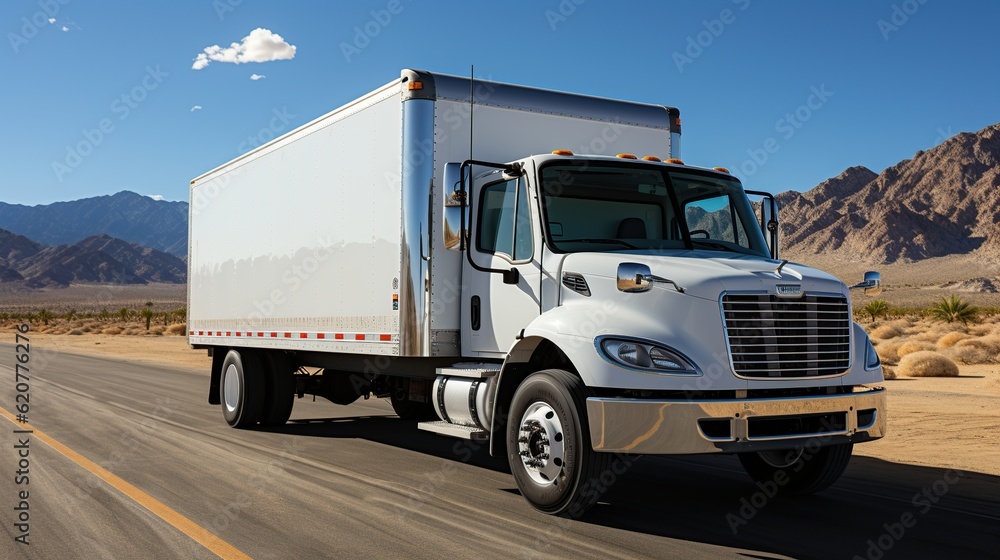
(504, 220)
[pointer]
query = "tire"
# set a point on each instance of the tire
(803, 472)
(241, 388)
(412, 410)
(548, 444)
(279, 389)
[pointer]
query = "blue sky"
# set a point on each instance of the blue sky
(785, 93)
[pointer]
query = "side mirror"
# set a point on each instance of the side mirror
(634, 277)
(455, 236)
(872, 284)
(768, 220)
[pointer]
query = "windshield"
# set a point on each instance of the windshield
(611, 207)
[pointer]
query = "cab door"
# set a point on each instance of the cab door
(503, 237)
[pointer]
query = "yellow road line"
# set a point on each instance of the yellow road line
(202, 536)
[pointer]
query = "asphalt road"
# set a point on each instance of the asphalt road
(355, 482)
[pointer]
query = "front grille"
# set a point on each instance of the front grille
(772, 337)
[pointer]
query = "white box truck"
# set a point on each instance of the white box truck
(495, 260)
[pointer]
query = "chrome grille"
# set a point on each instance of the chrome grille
(772, 337)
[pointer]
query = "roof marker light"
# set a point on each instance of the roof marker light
(678, 161)
(722, 170)
(626, 156)
(651, 158)
(415, 85)
(562, 152)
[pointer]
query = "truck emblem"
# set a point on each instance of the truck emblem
(788, 290)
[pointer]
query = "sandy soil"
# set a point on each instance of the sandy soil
(165, 350)
(933, 421)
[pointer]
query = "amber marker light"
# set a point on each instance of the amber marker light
(678, 161)
(562, 152)
(651, 158)
(415, 85)
(626, 156)
(722, 170)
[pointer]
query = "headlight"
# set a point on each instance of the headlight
(871, 356)
(636, 354)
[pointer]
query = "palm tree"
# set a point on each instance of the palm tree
(952, 309)
(875, 308)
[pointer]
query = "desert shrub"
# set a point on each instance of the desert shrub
(904, 326)
(953, 310)
(885, 332)
(980, 330)
(970, 355)
(176, 328)
(112, 330)
(157, 330)
(75, 332)
(949, 340)
(875, 309)
(912, 346)
(988, 343)
(930, 337)
(888, 372)
(927, 364)
(888, 351)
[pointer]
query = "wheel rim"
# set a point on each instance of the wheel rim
(541, 444)
(780, 459)
(231, 388)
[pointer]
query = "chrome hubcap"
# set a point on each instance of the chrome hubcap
(231, 387)
(540, 444)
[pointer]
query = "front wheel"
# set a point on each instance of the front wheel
(798, 471)
(548, 444)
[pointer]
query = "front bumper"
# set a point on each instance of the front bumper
(676, 427)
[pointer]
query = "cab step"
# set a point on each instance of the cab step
(454, 430)
(478, 371)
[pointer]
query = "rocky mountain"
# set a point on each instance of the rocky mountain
(945, 201)
(97, 259)
(128, 216)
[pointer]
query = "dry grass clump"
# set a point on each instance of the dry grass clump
(912, 346)
(885, 332)
(980, 330)
(157, 330)
(931, 337)
(949, 340)
(176, 328)
(888, 372)
(927, 364)
(901, 325)
(75, 332)
(971, 355)
(989, 343)
(888, 351)
(112, 330)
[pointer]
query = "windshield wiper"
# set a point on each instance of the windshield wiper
(605, 241)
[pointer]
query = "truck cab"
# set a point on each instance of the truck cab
(639, 306)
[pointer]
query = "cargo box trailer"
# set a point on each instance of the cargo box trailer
(533, 269)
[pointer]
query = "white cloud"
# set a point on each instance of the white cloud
(64, 28)
(155, 196)
(256, 77)
(261, 45)
(196, 108)
(52, 20)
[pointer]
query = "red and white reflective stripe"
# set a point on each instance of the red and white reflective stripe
(354, 337)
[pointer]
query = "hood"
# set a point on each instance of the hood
(706, 274)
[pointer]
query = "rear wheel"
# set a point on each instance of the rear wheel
(548, 444)
(241, 388)
(279, 388)
(798, 471)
